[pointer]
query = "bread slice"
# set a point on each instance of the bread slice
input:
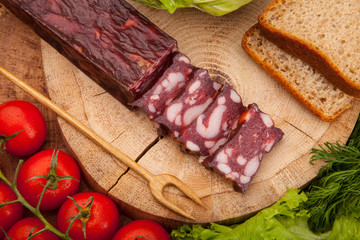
(323, 33)
(308, 86)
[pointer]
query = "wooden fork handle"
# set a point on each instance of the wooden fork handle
(78, 125)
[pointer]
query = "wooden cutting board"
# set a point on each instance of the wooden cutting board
(213, 43)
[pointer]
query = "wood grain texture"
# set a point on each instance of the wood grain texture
(213, 43)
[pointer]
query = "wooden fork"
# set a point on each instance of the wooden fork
(156, 182)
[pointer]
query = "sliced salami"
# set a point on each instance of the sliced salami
(211, 129)
(198, 95)
(170, 85)
(239, 159)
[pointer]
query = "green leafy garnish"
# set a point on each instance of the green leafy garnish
(336, 192)
(213, 7)
(283, 220)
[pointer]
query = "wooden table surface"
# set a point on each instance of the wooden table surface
(20, 53)
(212, 43)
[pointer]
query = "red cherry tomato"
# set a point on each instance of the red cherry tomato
(39, 164)
(142, 230)
(102, 223)
(9, 214)
(18, 115)
(21, 230)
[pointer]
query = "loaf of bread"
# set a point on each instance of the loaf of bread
(307, 85)
(323, 33)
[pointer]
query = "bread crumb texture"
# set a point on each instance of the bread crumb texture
(331, 26)
(311, 88)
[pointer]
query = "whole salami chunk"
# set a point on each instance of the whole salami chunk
(108, 40)
(211, 129)
(169, 86)
(198, 95)
(239, 159)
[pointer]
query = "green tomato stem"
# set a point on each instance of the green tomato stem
(83, 215)
(34, 234)
(48, 183)
(4, 138)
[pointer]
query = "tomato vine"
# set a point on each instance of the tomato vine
(34, 210)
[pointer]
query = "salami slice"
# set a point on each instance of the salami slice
(211, 129)
(170, 85)
(198, 95)
(239, 159)
(108, 40)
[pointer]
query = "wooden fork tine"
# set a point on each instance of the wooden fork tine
(184, 188)
(157, 185)
(158, 195)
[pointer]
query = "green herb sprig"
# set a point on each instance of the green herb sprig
(336, 192)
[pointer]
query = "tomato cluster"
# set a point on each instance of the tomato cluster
(49, 180)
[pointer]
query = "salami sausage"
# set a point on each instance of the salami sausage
(108, 40)
(239, 159)
(211, 129)
(198, 95)
(170, 85)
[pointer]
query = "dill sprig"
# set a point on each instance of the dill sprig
(336, 191)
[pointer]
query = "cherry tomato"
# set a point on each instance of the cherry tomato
(9, 214)
(21, 230)
(142, 230)
(102, 224)
(18, 115)
(39, 164)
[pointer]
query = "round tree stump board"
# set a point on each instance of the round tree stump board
(213, 43)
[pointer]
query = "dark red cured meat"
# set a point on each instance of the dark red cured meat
(211, 129)
(239, 159)
(169, 86)
(198, 95)
(109, 40)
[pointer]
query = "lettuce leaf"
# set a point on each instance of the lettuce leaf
(213, 7)
(346, 227)
(283, 220)
(219, 7)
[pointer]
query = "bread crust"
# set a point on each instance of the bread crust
(283, 81)
(307, 53)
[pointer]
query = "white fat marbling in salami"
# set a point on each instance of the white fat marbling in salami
(198, 95)
(239, 159)
(211, 129)
(170, 85)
